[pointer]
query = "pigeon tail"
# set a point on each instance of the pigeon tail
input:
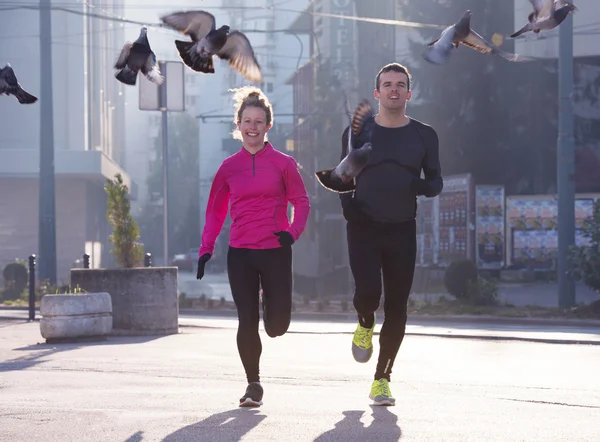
(155, 77)
(25, 97)
(521, 31)
(196, 63)
(126, 76)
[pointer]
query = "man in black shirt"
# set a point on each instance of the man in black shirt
(381, 226)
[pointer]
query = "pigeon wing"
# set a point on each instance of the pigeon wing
(151, 71)
(362, 113)
(478, 43)
(542, 8)
(122, 60)
(350, 144)
(196, 24)
(3, 83)
(240, 55)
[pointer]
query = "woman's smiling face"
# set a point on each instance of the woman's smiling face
(253, 126)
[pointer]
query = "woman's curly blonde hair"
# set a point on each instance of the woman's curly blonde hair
(244, 97)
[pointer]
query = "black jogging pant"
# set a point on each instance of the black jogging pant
(389, 249)
(248, 271)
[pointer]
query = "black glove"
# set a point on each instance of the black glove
(284, 238)
(419, 186)
(201, 263)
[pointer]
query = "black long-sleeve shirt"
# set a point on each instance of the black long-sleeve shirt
(384, 188)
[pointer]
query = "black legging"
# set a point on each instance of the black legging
(390, 250)
(248, 270)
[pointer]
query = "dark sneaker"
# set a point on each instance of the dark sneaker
(253, 396)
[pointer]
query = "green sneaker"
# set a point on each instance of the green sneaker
(381, 394)
(362, 345)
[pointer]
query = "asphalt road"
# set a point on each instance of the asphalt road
(185, 387)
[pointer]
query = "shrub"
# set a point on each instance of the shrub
(127, 250)
(320, 306)
(344, 305)
(44, 287)
(584, 260)
(184, 301)
(482, 292)
(15, 276)
(457, 277)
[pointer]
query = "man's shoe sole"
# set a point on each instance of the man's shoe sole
(248, 403)
(389, 402)
(361, 355)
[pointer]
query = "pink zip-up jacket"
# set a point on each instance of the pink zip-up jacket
(259, 188)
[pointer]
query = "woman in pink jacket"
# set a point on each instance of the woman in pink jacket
(256, 184)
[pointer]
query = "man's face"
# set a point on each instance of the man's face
(393, 90)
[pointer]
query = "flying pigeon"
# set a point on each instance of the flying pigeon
(547, 14)
(9, 85)
(342, 178)
(208, 41)
(439, 50)
(136, 57)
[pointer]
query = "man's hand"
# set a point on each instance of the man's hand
(285, 238)
(201, 263)
(352, 208)
(419, 186)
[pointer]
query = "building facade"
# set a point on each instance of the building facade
(89, 133)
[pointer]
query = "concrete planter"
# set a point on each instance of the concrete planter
(144, 299)
(84, 315)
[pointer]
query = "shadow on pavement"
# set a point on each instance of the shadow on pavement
(229, 426)
(137, 437)
(384, 427)
(42, 350)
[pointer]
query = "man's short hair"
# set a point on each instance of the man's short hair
(393, 67)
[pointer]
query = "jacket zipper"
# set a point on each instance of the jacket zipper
(253, 169)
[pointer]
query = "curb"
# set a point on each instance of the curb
(509, 338)
(412, 319)
(416, 319)
(474, 336)
(424, 320)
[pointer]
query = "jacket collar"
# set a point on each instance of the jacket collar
(267, 147)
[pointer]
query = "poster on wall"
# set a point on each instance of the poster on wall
(426, 231)
(542, 213)
(536, 249)
(525, 216)
(532, 214)
(489, 221)
(584, 209)
(456, 204)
